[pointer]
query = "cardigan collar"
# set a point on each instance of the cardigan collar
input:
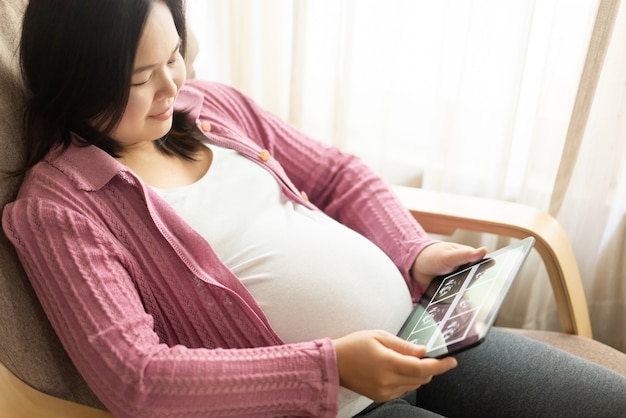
(90, 168)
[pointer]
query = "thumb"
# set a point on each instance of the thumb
(465, 255)
(401, 346)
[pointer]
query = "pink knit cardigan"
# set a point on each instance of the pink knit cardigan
(153, 320)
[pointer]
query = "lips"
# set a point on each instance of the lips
(164, 115)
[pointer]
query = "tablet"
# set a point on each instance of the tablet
(457, 310)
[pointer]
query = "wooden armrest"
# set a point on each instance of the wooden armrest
(443, 213)
(18, 400)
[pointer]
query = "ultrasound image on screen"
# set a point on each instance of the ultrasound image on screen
(452, 311)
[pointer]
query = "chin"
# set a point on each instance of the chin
(167, 127)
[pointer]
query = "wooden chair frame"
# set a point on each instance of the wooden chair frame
(443, 213)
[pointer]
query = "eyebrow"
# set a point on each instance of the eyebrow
(149, 67)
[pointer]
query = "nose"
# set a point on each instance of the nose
(168, 86)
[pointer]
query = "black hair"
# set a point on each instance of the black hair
(77, 58)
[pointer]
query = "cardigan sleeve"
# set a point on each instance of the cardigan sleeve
(82, 278)
(338, 183)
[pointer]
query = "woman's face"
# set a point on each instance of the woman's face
(159, 73)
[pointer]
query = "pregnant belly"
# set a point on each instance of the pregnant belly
(316, 278)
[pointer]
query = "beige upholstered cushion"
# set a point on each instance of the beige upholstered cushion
(28, 345)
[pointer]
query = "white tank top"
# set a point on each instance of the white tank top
(312, 276)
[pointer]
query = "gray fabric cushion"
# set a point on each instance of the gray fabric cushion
(28, 345)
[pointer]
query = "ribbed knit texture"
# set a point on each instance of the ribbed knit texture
(156, 324)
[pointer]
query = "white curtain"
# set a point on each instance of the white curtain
(471, 97)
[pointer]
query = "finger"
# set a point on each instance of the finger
(424, 367)
(408, 378)
(439, 366)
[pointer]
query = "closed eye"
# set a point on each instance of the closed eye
(141, 83)
(173, 60)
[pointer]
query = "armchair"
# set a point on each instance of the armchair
(37, 378)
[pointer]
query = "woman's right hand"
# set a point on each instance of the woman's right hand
(382, 366)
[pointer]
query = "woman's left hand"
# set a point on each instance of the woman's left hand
(442, 258)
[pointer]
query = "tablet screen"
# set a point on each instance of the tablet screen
(457, 310)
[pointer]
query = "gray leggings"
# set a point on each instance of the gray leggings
(512, 376)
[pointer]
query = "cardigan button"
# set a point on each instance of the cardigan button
(264, 155)
(205, 126)
(304, 196)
